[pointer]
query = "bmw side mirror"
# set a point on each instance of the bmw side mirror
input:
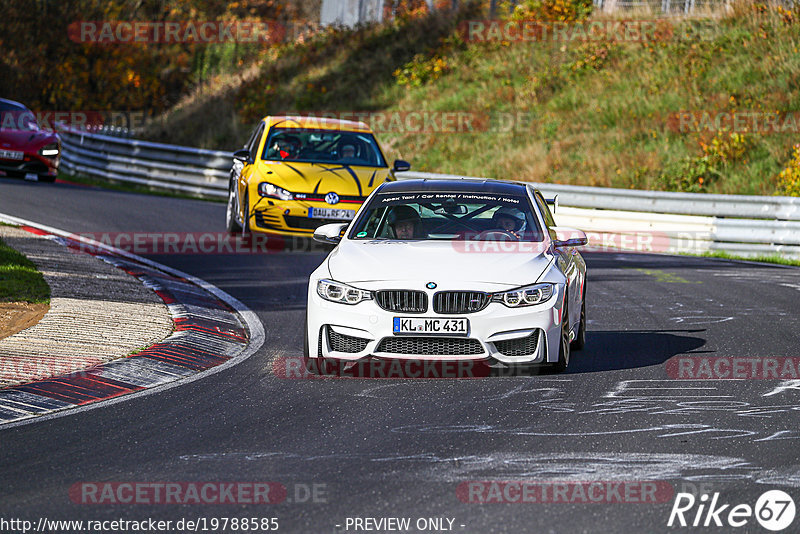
(242, 155)
(330, 233)
(569, 237)
(401, 165)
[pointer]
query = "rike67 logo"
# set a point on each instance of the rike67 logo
(774, 510)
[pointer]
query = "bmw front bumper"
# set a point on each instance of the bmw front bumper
(513, 336)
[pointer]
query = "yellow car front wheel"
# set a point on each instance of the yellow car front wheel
(246, 212)
(232, 210)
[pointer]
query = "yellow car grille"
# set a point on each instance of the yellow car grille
(274, 220)
(265, 219)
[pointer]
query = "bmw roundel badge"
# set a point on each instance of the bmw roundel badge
(430, 285)
(332, 198)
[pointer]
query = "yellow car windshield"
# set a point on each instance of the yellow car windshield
(323, 146)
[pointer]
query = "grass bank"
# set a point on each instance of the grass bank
(20, 281)
(601, 112)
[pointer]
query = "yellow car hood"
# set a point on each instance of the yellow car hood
(322, 177)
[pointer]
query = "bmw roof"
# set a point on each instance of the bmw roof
(454, 184)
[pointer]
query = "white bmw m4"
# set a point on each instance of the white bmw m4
(459, 269)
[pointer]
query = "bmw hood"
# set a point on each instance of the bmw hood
(489, 266)
(349, 180)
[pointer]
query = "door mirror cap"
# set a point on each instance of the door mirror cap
(330, 233)
(553, 203)
(401, 165)
(569, 237)
(242, 155)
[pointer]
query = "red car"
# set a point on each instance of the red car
(25, 148)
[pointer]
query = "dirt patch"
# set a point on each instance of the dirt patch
(17, 316)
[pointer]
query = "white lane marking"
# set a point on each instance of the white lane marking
(249, 456)
(649, 397)
(784, 476)
(561, 466)
(663, 431)
(370, 392)
(785, 385)
(783, 434)
(665, 397)
(253, 323)
(700, 319)
(531, 386)
(664, 389)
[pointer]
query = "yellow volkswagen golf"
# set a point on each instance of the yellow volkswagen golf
(298, 173)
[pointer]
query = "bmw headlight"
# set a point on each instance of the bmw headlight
(266, 189)
(525, 296)
(342, 293)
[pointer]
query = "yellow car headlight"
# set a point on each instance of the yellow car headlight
(266, 189)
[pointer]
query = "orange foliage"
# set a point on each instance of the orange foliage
(43, 67)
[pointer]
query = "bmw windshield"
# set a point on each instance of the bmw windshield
(447, 216)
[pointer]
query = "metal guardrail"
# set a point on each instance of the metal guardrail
(674, 7)
(693, 222)
(746, 225)
(659, 232)
(176, 168)
(739, 206)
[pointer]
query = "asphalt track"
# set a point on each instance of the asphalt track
(400, 448)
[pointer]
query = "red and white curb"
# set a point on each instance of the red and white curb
(213, 331)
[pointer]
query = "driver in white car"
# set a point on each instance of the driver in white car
(405, 221)
(510, 220)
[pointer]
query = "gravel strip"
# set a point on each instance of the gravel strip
(97, 313)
